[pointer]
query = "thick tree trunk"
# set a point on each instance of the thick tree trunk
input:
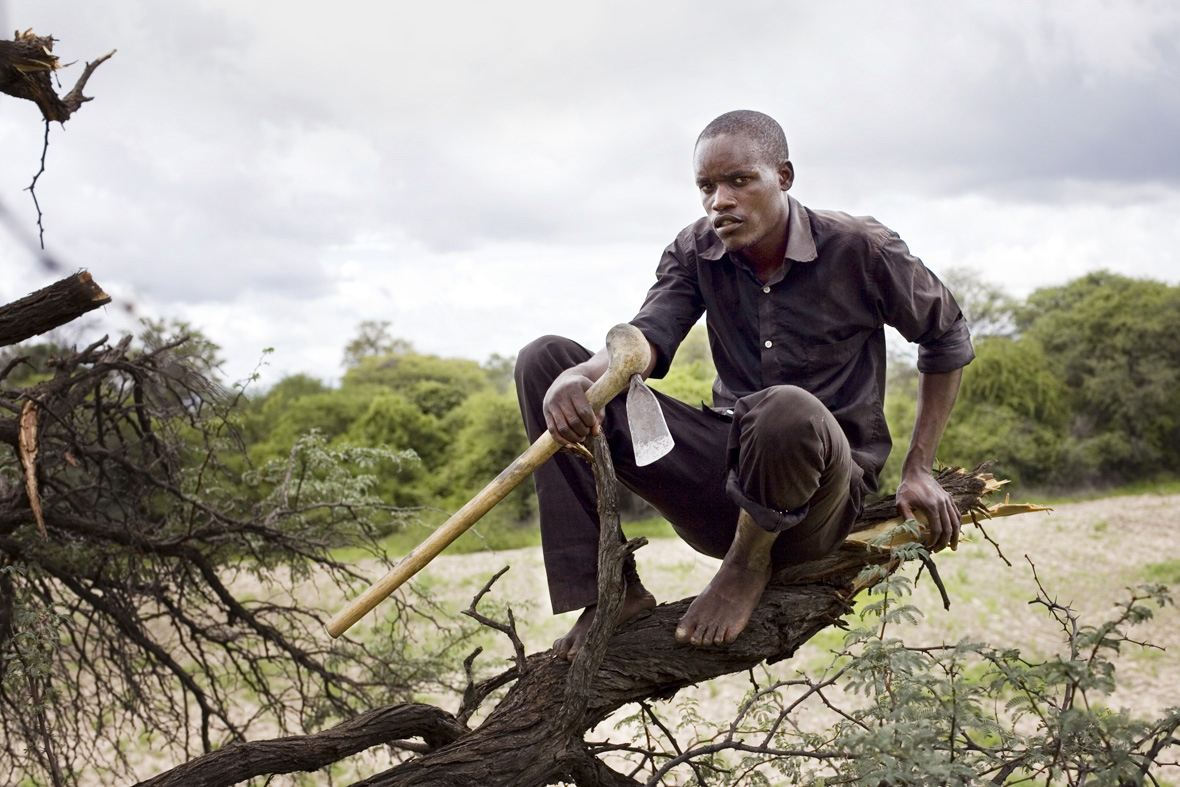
(50, 307)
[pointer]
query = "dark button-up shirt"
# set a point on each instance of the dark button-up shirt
(818, 323)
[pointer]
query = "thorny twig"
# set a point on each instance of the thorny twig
(508, 629)
(32, 188)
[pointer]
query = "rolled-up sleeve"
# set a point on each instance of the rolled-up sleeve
(672, 306)
(915, 302)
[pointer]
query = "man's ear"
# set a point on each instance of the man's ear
(786, 175)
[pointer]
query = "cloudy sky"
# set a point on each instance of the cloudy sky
(481, 173)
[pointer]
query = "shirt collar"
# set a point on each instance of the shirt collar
(800, 241)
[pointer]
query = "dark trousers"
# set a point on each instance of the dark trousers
(781, 457)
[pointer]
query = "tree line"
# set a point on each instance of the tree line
(1074, 386)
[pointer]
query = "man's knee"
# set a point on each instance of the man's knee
(546, 358)
(783, 413)
(785, 442)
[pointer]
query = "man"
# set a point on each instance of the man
(774, 473)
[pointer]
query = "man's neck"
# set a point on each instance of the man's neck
(768, 257)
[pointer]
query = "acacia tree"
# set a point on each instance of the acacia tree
(146, 582)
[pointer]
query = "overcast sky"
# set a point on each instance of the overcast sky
(481, 173)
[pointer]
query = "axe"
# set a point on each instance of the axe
(629, 356)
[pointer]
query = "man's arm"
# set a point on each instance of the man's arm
(568, 413)
(918, 489)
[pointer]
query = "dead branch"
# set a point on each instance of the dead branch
(26, 63)
(138, 568)
(238, 762)
(50, 307)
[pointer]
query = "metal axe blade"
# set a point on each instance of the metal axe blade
(649, 431)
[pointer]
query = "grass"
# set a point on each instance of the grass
(1166, 573)
(1162, 485)
(494, 533)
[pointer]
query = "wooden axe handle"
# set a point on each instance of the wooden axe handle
(629, 354)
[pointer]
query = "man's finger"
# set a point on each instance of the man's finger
(585, 413)
(956, 523)
(551, 425)
(576, 427)
(949, 524)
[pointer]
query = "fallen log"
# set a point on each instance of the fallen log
(535, 735)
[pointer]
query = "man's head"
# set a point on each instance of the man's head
(762, 129)
(743, 171)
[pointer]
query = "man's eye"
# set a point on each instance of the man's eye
(707, 188)
(740, 181)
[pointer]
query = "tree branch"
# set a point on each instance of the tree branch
(26, 63)
(238, 762)
(50, 307)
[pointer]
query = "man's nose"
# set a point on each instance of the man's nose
(722, 197)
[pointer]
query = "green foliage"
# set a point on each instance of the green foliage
(690, 377)
(281, 418)
(29, 363)
(1115, 343)
(488, 436)
(402, 372)
(961, 713)
(691, 383)
(1086, 392)
(393, 421)
(499, 369)
(1167, 572)
(459, 420)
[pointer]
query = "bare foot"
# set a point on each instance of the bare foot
(723, 608)
(637, 599)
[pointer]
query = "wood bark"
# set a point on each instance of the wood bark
(535, 735)
(240, 761)
(50, 307)
(26, 63)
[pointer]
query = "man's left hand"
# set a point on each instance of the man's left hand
(920, 490)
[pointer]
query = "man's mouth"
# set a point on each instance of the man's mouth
(725, 222)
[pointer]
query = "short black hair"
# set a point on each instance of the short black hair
(762, 129)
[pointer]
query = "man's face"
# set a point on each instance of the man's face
(742, 192)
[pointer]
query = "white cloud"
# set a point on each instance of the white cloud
(276, 172)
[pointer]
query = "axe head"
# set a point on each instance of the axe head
(649, 431)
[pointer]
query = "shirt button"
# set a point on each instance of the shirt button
(766, 289)
(769, 343)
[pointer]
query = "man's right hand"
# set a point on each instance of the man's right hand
(568, 413)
